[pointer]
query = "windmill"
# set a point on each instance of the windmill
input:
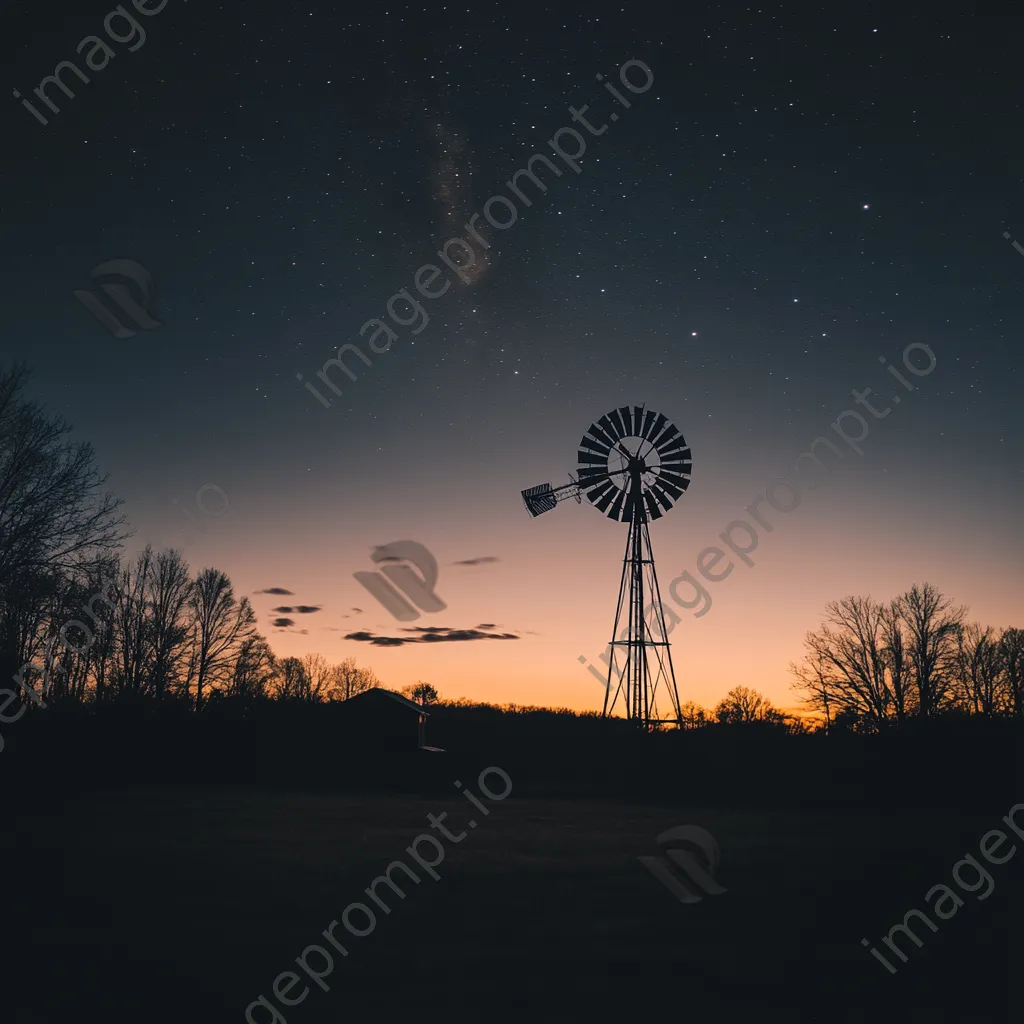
(633, 465)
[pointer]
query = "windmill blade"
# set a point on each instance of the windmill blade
(661, 495)
(615, 512)
(589, 476)
(594, 436)
(661, 486)
(594, 444)
(594, 482)
(649, 418)
(665, 436)
(626, 415)
(657, 427)
(638, 416)
(602, 434)
(619, 426)
(652, 506)
(678, 468)
(592, 458)
(666, 476)
(677, 475)
(681, 473)
(608, 427)
(676, 448)
(605, 499)
(682, 467)
(596, 488)
(628, 508)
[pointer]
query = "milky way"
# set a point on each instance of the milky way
(452, 191)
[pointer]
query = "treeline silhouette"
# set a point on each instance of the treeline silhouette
(143, 671)
(80, 626)
(873, 665)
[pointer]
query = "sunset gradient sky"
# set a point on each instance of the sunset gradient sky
(788, 203)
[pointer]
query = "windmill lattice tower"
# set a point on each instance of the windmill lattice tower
(633, 466)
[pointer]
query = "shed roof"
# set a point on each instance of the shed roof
(378, 693)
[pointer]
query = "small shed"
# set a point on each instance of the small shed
(385, 720)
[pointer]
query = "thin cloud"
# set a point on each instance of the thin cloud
(283, 622)
(377, 641)
(477, 561)
(465, 634)
(307, 609)
(276, 590)
(428, 635)
(285, 609)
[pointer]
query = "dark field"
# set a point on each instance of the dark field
(185, 904)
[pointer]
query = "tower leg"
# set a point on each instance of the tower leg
(618, 678)
(646, 681)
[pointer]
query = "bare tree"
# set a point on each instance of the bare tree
(872, 662)
(222, 625)
(53, 511)
(69, 641)
(933, 626)
(169, 591)
(796, 725)
(291, 680)
(36, 623)
(1012, 652)
(100, 610)
(421, 692)
(62, 640)
(255, 670)
(741, 704)
(897, 661)
(133, 626)
(693, 715)
(817, 684)
(317, 678)
(349, 679)
(978, 687)
(845, 662)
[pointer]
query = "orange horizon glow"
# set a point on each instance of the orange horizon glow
(554, 582)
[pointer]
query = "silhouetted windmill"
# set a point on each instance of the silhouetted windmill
(633, 463)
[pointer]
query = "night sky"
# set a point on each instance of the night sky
(799, 193)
